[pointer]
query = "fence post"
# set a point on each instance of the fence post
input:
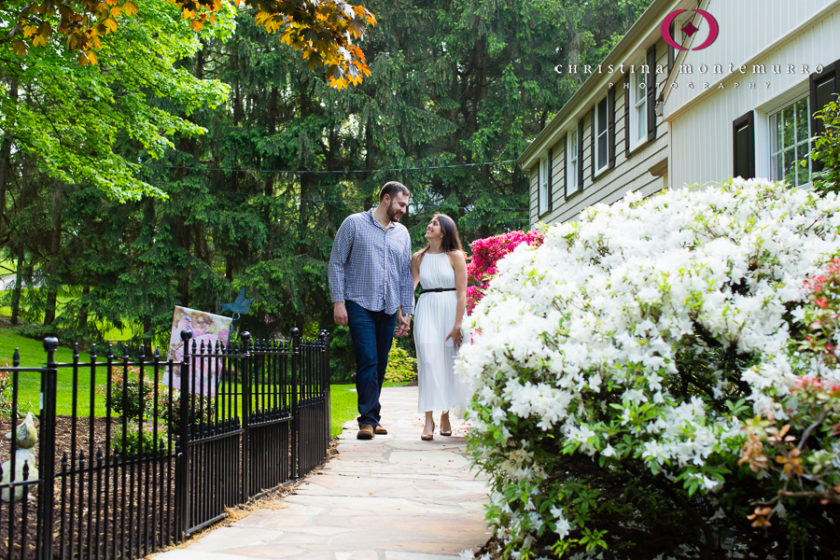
(245, 377)
(324, 335)
(46, 452)
(182, 461)
(296, 360)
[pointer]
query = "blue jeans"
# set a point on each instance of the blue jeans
(372, 333)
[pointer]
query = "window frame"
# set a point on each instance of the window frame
(638, 106)
(543, 186)
(573, 185)
(776, 119)
(598, 134)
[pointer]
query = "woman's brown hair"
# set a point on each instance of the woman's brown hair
(451, 241)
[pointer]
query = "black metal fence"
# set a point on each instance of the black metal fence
(137, 463)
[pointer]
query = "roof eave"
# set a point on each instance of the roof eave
(640, 30)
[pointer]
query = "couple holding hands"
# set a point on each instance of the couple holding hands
(373, 275)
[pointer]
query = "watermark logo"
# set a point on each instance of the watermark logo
(689, 29)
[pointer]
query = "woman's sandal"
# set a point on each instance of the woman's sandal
(447, 432)
(428, 437)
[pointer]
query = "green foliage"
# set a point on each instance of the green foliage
(342, 358)
(72, 117)
(796, 457)
(826, 149)
(135, 439)
(207, 124)
(5, 390)
(130, 398)
(137, 401)
(402, 367)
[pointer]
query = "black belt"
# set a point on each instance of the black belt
(436, 290)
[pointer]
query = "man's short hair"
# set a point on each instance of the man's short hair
(391, 188)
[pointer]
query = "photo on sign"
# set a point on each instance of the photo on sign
(207, 328)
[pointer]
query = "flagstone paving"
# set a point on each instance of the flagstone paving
(391, 498)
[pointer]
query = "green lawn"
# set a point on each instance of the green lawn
(342, 405)
(32, 354)
(109, 332)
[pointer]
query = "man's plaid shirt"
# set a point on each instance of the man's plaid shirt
(371, 266)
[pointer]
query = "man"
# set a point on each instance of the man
(372, 290)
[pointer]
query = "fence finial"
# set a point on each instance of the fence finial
(186, 334)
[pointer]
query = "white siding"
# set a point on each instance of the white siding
(629, 174)
(749, 29)
(533, 192)
(701, 122)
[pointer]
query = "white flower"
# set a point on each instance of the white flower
(586, 339)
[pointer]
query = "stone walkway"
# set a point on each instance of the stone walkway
(392, 498)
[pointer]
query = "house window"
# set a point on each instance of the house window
(601, 136)
(543, 185)
(638, 105)
(572, 184)
(790, 135)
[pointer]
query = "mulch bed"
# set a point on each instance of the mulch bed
(64, 444)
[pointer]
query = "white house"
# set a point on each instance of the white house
(695, 92)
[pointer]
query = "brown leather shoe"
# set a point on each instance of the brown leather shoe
(380, 430)
(365, 432)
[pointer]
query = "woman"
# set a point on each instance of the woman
(441, 269)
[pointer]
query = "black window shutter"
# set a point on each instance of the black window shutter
(627, 128)
(611, 126)
(550, 183)
(823, 89)
(565, 165)
(580, 154)
(650, 92)
(592, 133)
(743, 144)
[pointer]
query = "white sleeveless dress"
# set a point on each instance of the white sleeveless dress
(433, 320)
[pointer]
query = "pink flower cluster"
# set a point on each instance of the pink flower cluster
(825, 281)
(816, 385)
(822, 316)
(486, 253)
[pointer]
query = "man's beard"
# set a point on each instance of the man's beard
(394, 214)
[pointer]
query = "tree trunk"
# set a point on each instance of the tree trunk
(55, 245)
(83, 314)
(5, 159)
(18, 287)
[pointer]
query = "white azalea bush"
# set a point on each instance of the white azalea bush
(616, 365)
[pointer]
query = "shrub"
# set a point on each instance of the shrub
(135, 400)
(826, 149)
(342, 359)
(486, 253)
(133, 441)
(5, 390)
(402, 368)
(615, 365)
(797, 456)
(129, 397)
